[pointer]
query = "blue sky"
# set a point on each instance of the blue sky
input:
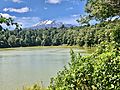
(30, 12)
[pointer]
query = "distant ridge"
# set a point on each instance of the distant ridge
(49, 24)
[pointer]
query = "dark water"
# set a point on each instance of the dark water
(26, 66)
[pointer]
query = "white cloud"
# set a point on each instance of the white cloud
(76, 2)
(7, 15)
(68, 20)
(17, 1)
(45, 8)
(70, 8)
(27, 21)
(75, 15)
(24, 21)
(53, 1)
(20, 10)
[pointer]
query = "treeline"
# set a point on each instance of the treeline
(82, 36)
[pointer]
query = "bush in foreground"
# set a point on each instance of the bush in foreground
(34, 87)
(99, 71)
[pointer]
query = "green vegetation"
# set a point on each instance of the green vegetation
(99, 71)
(103, 9)
(87, 35)
(82, 36)
(100, 10)
(8, 22)
(34, 87)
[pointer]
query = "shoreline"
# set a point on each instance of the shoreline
(60, 46)
(87, 49)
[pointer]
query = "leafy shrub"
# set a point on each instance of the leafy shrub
(99, 71)
(34, 87)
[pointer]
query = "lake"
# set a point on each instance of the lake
(26, 66)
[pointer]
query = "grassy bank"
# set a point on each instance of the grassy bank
(87, 49)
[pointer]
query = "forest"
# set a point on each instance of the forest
(98, 71)
(84, 35)
(88, 36)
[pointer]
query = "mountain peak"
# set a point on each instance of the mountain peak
(49, 24)
(45, 22)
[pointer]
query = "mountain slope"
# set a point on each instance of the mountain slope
(49, 24)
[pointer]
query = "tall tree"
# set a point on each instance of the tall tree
(9, 22)
(103, 9)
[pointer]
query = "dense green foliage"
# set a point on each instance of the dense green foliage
(8, 22)
(100, 10)
(103, 9)
(99, 71)
(82, 36)
(34, 87)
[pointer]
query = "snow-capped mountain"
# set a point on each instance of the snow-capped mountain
(46, 22)
(49, 24)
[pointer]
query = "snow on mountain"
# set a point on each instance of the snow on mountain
(44, 23)
(49, 24)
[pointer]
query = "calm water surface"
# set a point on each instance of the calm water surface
(25, 66)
